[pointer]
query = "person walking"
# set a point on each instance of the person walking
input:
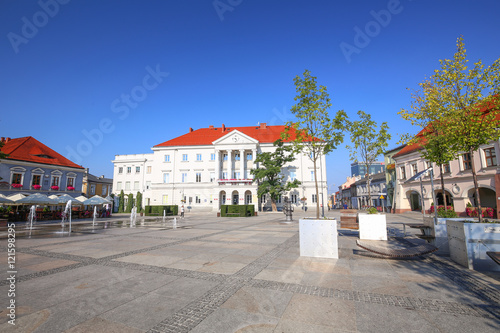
(182, 211)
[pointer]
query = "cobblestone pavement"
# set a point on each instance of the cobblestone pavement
(237, 275)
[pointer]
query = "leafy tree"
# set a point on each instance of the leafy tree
(3, 155)
(467, 103)
(121, 202)
(426, 112)
(130, 203)
(139, 201)
(368, 143)
(313, 132)
(269, 174)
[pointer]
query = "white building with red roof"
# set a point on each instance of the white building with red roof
(31, 166)
(211, 166)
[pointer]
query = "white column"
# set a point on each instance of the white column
(217, 165)
(230, 164)
(242, 163)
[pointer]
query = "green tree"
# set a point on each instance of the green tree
(2, 155)
(468, 102)
(130, 203)
(368, 142)
(313, 132)
(121, 202)
(433, 140)
(138, 200)
(269, 174)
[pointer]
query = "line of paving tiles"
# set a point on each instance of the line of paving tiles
(460, 276)
(195, 312)
(411, 303)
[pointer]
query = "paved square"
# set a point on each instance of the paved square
(237, 275)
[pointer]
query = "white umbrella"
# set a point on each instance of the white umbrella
(5, 200)
(96, 200)
(37, 199)
(62, 199)
(16, 197)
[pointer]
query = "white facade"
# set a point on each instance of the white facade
(206, 176)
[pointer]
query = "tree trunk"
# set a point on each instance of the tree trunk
(442, 188)
(273, 204)
(476, 186)
(316, 185)
(369, 190)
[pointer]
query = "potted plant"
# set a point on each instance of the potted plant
(70, 188)
(37, 187)
(372, 225)
(17, 185)
(54, 187)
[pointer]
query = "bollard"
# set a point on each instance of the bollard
(174, 225)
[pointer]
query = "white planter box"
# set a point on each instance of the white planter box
(469, 243)
(372, 226)
(318, 238)
(440, 232)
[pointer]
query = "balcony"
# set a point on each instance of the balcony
(235, 181)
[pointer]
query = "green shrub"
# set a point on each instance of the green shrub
(372, 210)
(450, 213)
(241, 210)
(158, 210)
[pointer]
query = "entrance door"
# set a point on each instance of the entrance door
(236, 199)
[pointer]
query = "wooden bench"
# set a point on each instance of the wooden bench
(349, 219)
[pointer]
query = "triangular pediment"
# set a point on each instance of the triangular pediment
(235, 138)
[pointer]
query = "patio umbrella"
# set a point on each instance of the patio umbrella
(16, 197)
(5, 200)
(96, 200)
(37, 199)
(81, 198)
(63, 199)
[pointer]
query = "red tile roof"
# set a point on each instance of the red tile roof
(31, 150)
(205, 136)
(410, 148)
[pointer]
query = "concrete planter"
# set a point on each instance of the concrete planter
(469, 243)
(318, 238)
(439, 231)
(372, 226)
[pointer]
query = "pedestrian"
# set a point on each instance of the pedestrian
(182, 211)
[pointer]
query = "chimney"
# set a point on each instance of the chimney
(7, 140)
(190, 129)
(263, 126)
(223, 127)
(2, 139)
(211, 127)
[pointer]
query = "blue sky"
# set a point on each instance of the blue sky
(68, 66)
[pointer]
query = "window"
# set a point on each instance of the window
(212, 157)
(402, 172)
(490, 156)
(55, 181)
(197, 199)
(120, 170)
(224, 175)
(446, 168)
(414, 169)
(164, 199)
(184, 157)
(119, 186)
(103, 192)
(136, 185)
(70, 182)
(198, 157)
(263, 198)
(278, 200)
(137, 169)
(92, 189)
(466, 161)
(127, 186)
(129, 169)
(166, 178)
(314, 198)
(167, 158)
(312, 176)
(198, 177)
(148, 170)
(292, 175)
(36, 180)
(293, 198)
(248, 199)
(237, 175)
(237, 157)
(224, 157)
(184, 177)
(148, 185)
(212, 176)
(249, 156)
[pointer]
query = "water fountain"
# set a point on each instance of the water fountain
(67, 214)
(133, 217)
(31, 217)
(95, 216)
(164, 216)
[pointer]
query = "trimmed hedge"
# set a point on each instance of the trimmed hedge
(241, 210)
(158, 210)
